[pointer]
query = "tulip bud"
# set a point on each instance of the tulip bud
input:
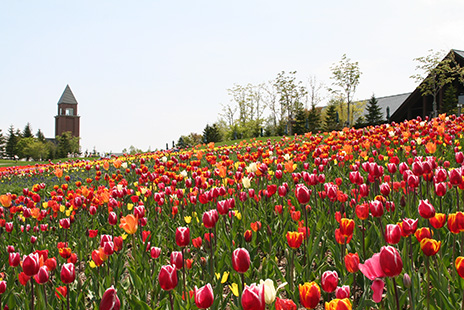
(310, 294)
(2, 287)
(407, 280)
(426, 210)
(112, 218)
(302, 194)
(14, 259)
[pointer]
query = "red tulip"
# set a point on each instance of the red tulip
(112, 218)
(329, 281)
(352, 262)
(409, 226)
(253, 297)
(240, 260)
(440, 189)
(285, 304)
(248, 235)
(426, 210)
(182, 236)
(155, 252)
(455, 177)
(376, 208)
(342, 292)
(177, 259)
(65, 223)
(390, 261)
(392, 234)
(210, 218)
(31, 264)
(68, 273)
(204, 297)
(110, 300)
(42, 276)
(222, 207)
(51, 263)
(167, 277)
(302, 193)
(14, 259)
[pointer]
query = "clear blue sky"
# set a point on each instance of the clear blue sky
(146, 72)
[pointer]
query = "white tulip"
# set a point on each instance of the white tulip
(269, 291)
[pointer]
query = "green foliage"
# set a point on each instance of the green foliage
(40, 136)
(67, 144)
(374, 112)
(299, 124)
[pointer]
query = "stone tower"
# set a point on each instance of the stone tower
(67, 118)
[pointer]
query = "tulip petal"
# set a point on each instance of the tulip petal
(377, 287)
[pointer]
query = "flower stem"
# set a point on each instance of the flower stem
(32, 291)
(171, 301)
(396, 294)
(67, 296)
(428, 282)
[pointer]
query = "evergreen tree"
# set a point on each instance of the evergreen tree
(299, 124)
(450, 100)
(67, 144)
(27, 132)
(374, 112)
(11, 143)
(211, 134)
(40, 136)
(331, 121)
(314, 119)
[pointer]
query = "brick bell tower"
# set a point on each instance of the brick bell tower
(67, 118)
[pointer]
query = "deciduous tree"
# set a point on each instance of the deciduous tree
(346, 75)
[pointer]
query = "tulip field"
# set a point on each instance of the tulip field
(368, 218)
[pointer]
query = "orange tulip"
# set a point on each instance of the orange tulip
(430, 247)
(438, 221)
(310, 294)
(129, 223)
(346, 227)
(58, 172)
(338, 304)
(5, 200)
(294, 239)
(459, 263)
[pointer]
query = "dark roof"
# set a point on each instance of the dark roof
(67, 96)
(393, 102)
(460, 53)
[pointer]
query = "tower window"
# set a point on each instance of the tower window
(69, 111)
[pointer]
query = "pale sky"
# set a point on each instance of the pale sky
(146, 72)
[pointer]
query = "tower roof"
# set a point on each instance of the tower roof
(67, 96)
